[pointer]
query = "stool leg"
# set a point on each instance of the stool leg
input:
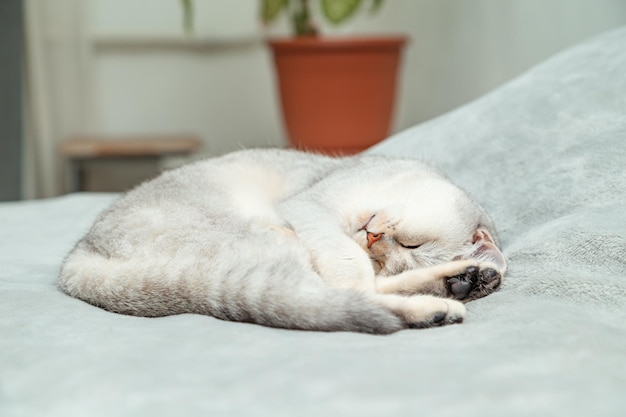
(77, 176)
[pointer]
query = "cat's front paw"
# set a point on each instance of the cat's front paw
(475, 282)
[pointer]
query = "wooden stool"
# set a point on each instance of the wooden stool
(81, 150)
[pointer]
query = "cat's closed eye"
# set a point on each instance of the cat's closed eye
(406, 246)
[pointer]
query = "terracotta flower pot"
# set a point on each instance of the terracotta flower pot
(338, 94)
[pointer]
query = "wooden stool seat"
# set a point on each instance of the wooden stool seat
(82, 149)
(117, 147)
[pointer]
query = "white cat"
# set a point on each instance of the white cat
(293, 240)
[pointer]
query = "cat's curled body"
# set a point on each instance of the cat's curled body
(293, 240)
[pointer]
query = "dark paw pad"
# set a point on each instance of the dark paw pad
(461, 285)
(488, 275)
(438, 318)
(473, 283)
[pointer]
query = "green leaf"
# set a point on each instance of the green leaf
(337, 11)
(376, 5)
(271, 8)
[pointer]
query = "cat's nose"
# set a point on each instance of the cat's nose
(373, 238)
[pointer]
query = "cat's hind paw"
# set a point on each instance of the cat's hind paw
(422, 311)
(444, 312)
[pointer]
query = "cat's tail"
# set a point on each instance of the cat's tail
(278, 295)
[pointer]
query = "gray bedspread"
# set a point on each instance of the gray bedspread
(546, 154)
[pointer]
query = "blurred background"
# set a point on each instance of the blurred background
(118, 70)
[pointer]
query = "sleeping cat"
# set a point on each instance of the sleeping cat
(293, 240)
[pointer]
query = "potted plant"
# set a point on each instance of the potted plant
(337, 94)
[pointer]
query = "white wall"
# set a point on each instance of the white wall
(145, 80)
(463, 49)
(459, 50)
(136, 74)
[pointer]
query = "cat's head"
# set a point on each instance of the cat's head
(418, 224)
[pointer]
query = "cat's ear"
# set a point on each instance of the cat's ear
(484, 249)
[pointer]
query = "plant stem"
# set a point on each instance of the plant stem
(187, 16)
(301, 20)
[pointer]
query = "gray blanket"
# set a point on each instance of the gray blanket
(546, 154)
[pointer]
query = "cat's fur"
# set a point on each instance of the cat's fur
(293, 240)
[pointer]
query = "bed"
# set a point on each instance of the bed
(546, 155)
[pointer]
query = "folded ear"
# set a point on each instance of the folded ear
(484, 250)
